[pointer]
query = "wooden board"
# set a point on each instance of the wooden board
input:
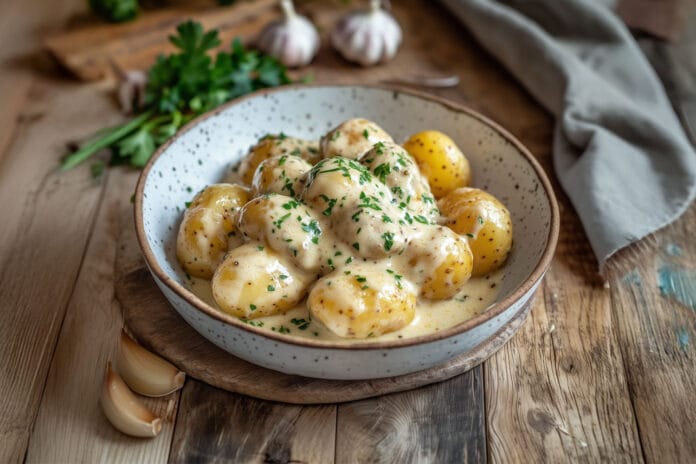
(156, 324)
(92, 52)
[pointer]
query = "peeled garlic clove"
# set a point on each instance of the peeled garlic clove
(292, 40)
(124, 410)
(131, 90)
(368, 36)
(145, 372)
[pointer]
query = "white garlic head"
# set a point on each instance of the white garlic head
(293, 40)
(368, 36)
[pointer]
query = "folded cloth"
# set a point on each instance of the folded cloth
(619, 150)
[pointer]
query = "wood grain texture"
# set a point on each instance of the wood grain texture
(70, 426)
(440, 423)
(653, 289)
(91, 52)
(41, 247)
(218, 426)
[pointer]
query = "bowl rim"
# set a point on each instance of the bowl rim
(494, 310)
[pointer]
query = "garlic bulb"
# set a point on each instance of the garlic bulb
(293, 40)
(368, 36)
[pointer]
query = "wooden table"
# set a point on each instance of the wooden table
(601, 371)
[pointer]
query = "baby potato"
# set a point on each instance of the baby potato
(291, 228)
(364, 300)
(440, 161)
(485, 221)
(440, 262)
(254, 281)
(334, 184)
(352, 138)
(276, 145)
(394, 167)
(280, 174)
(208, 230)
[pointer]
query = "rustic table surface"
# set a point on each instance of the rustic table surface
(601, 371)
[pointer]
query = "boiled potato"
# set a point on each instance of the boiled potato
(208, 228)
(352, 138)
(486, 223)
(440, 161)
(357, 207)
(276, 145)
(440, 262)
(291, 228)
(280, 174)
(364, 300)
(253, 281)
(394, 167)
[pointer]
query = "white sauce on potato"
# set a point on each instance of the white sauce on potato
(431, 316)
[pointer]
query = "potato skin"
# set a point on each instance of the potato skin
(208, 229)
(276, 145)
(368, 302)
(446, 264)
(440, 161)
(352, 138)
(253, 281)
(280, 174)
(486, 223)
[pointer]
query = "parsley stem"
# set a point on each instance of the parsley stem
(91, 148)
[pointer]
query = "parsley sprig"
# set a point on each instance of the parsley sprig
(181, 86)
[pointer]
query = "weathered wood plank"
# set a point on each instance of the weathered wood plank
(70, 426)
(653, 289)
(444, 422)
(216, 426)
(41, 247)
(557, 391)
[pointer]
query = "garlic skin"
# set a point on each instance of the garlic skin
(293, 40)
(367, 37)
(124, 410)
(131, 90)
(145, 372)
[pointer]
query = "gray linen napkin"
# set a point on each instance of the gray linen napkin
(619, 151)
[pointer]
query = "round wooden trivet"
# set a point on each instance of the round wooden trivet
(157, 326)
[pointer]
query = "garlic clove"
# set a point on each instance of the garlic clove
(145, 372)
(124, 410)
(293, 40)
(131, 90)
(367, 37)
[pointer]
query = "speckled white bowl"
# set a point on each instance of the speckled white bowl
(204, 151)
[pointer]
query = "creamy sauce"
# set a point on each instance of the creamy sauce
(357, 237)
(431, 316)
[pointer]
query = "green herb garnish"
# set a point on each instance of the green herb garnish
(181, 86)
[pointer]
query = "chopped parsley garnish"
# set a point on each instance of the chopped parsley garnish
(251, 322)
(284, 330)
(356, 245)
(270, 288)
(313, 229)
(282, 219)
(260, 248)
(382, 171)
(421, 219)
(366, 134)
(301, 324)
(386, 218)
(360, 278)
(291, 204)
(470, 235)
(388, 238)
(283, 276)
(252, 307)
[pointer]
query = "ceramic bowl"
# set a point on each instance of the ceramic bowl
(203, 153)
